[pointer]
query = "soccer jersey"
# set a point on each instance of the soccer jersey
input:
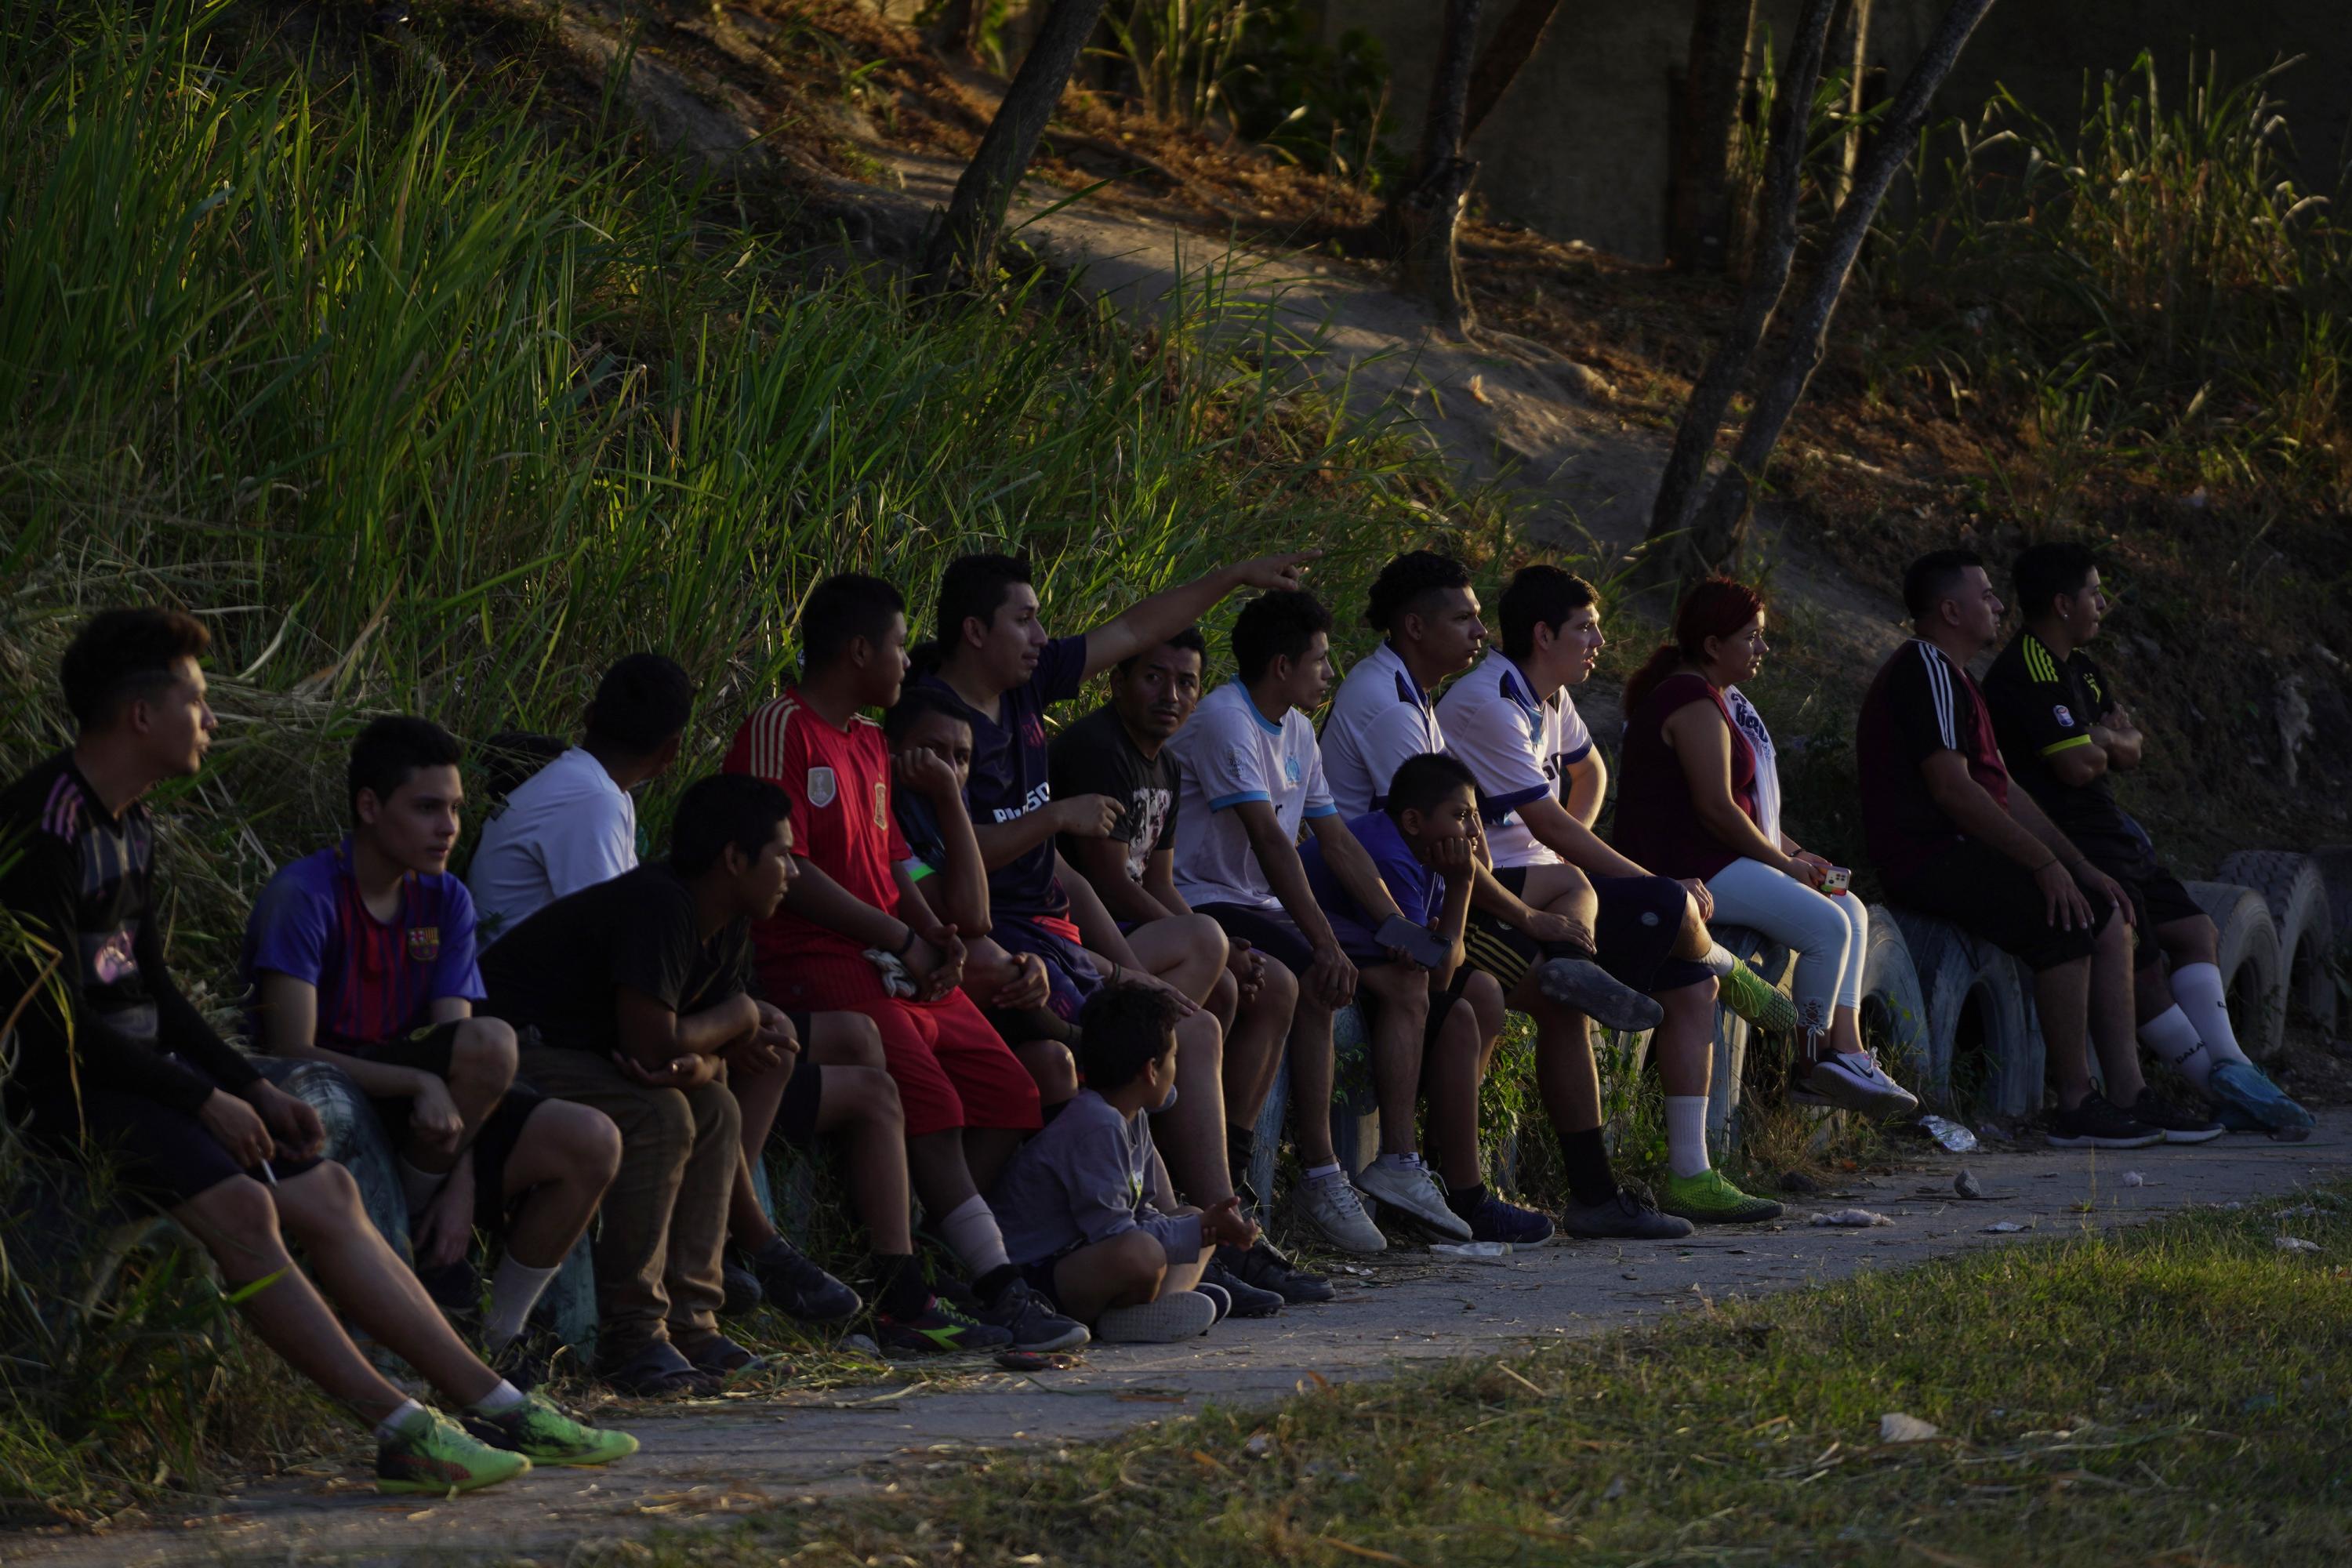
(1519, 746)
(1010, 775)
(839, 782)
(1380, 718)
(1919, 703)
(1227, 754)
(566, 827)
(1096, 755)
(2044, 706)
(375, 978)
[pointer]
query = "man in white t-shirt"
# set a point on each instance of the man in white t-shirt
(1512, 721)
(1252, 778)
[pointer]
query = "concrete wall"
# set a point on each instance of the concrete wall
(1581, 148)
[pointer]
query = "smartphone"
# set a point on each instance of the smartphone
(1838, 881)
(1420, 943)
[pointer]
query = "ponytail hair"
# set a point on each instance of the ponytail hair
(1715, 607)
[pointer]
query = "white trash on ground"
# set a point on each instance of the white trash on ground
(1897, 1428)
(1860, 1219)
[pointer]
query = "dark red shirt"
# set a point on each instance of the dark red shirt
(1657, 823)
(1920, 703)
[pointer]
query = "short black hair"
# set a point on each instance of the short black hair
(1423, 780)
(723, 809)
(973, 587)
(2043, 572)
(918, 702)
(1190, 639)
(643, 700)
(392, 748)
(841, 609)
(1123, 1029)
(1929, 580)
(122, 654)
(1280, 625)
(1406, 582)
(1540, 595)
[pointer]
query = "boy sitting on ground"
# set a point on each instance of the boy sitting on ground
(114, 1064)
(364, 955)
(1081, 1219)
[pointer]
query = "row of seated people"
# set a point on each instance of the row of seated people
(916, 935)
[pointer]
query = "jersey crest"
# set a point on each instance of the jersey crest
(882, 805)
(2066, 717)
(822, 787)
(423, 944)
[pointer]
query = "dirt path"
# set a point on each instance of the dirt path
(708, 1462)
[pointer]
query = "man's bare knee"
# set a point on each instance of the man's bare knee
(582, 1137)
(483, 1054)
(1137, 1261)
(846, 1039)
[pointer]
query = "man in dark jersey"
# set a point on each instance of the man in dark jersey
(2065, 733)
(1950, 837)
(114, 1064)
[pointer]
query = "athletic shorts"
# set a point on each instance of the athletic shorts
(1069, 967)
(429, 1049)
(2157, 898)
(1640, 920)
(951, 1069)
(161, 1157)
(796, 1121)
(1994, 899)
(1274, 933)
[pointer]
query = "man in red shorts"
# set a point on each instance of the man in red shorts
(853, 934)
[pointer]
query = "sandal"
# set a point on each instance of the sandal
(658, 1371)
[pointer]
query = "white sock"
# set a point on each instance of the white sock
(1718, 961)
(2197, 988)
(394, 1424)
(2174, 1040)
(1322, 1173)
(970, 1230)
(515, 1290)
(1686, 1133)
(418, 1186)
(506, 1396)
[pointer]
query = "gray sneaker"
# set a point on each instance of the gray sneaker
(1412, 1193)
(1331, 1209)
(1179, 1315)
(1855, 1082)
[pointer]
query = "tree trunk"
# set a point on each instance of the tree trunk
(957, 32)
(1850, 57)
(1714, 79)
(1421, 220)
(963, 246)
(1513, 46)
(1670, 556)
(1722, 521)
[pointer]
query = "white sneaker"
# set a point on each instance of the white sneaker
(1330, 1208)
(1179, 1315)
(1415, 1193)
(1855, 1082)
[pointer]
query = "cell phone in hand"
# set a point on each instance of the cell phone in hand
(1419, 943)
(1837, 880)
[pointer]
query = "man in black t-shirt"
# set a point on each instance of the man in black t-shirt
(2061, 723)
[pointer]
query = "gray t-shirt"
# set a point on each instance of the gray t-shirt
(1086, 1179)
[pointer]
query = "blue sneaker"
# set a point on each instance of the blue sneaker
(2249, 1102)
(1494, 1220)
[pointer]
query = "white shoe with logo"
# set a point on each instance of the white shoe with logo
(1855, 1081)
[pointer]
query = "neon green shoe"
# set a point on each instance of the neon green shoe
(432, 1455)
(1744, 992)
(546, 1436)
(1709, 1198)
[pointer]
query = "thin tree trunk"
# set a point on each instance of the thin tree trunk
(957, 32)
(1850, 55)
(1715, 536)
(1513, 46)
(1670, 556)
(1715, 79)
(1420, 222)
(963, 243)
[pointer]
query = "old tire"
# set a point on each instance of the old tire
(1895, 1020)
(1737, 1042)
(1978, 1017)
(2251, 974)
(2296, 895)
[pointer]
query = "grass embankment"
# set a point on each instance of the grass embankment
(2172, 1394)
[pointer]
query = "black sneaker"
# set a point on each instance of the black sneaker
(1263, 1267)
(743, 1294)
(2099, 1123)
(721, 1357)
(799, 1286)
(940, 1328)
(529, 1358)
(1630, 1214)
(2176, 1121)
(1033, 1325)
(1248, 1300)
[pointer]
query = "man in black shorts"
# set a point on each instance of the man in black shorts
(2064, 733)
(1952, 838)
(364, 955)
(114, 1064)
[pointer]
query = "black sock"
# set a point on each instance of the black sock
(1586, 1155)
(1465, 1201)
(1241, 1153)
(898, 1285)
(995, 1282)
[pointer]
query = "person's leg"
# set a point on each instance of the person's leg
(1188, 951)
(2062, 1000)
(1192, 1134)
(1128, 1271)
(2194, 947)
(2112, 1013)
(481, 1068)
(1683, 1046)
(1223, 1001)
(1752, 894)
(1312, 1071)
(1055, 1071)
(1457, 1065)
(998, 1101)
(565, 1157)
(1561, 890)
(694, 1264)
(758, 1093)
(1398, 1021)
(1846, 1021)
(1252, 1057)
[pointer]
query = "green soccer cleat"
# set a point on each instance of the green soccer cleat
(1709, 1198)
(432, 1455)
(546, 1436)
(1744, 992)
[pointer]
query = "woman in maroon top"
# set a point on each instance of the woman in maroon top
(1700, 797)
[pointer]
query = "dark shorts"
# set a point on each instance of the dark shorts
(796, 1121)
(2157, 898)
(429, 1050)
(1276, 935)
(1039, 1275)
(1068, 967)
(1994, 899)
(160, 1157)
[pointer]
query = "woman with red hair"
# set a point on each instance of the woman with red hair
(1701, 797)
